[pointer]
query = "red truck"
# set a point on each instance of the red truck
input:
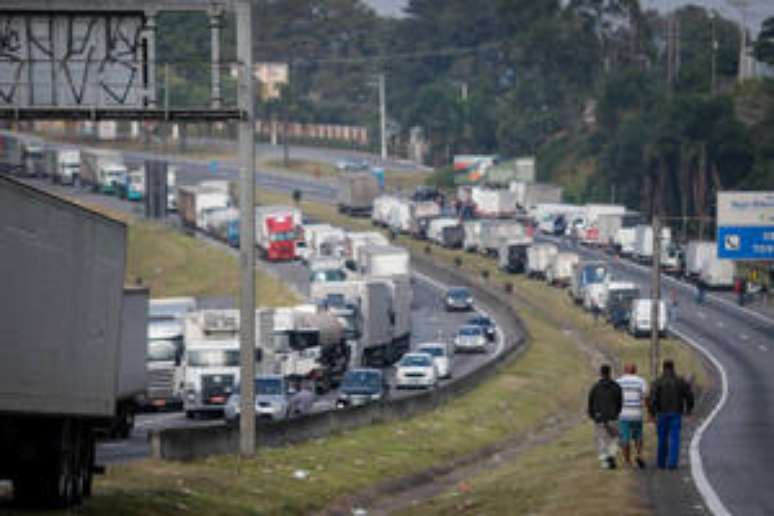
(276, 232)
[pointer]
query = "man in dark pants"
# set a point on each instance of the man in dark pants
(671, 397)
(605, 403)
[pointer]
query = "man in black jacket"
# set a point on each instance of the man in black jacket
(605, 403)
(671, 397)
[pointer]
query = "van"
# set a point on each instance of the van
(640, 319)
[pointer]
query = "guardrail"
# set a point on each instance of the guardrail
(200, 442)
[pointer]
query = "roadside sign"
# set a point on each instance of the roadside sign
(213, 167)
(745, 225)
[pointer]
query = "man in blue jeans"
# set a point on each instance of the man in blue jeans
(671, 397)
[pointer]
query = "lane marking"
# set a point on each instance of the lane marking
(762, 347)
(744, 336)
(720, 324)
(707, 492)
(156, 420)
(701, 315)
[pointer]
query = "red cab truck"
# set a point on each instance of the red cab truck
(276, 232)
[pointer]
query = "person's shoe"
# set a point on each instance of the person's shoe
(611, 463)
(640, 463)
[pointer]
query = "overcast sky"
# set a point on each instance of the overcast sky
(757, 11)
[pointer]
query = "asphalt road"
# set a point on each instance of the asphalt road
(735, 448)
(430, 322)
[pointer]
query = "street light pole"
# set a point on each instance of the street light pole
(655, 299)
(244, 21)
(713, 84)
(383, 114)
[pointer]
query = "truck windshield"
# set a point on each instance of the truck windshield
(283, 236)
(161, 351)
(269, 386)
(213, 358)
(295, 341)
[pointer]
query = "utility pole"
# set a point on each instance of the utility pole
(713, 83)
(383, 114)
(655, 298)
(244, 19)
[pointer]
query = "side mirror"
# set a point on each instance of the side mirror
(258, 355)
(178, 357)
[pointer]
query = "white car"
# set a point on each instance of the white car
(470, 338)
(442, 357)
(416, 370)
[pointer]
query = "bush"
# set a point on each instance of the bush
(458, 261)
(485, 274)
(428, 249)
(508, 287)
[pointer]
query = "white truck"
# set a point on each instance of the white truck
(101, 170)
(696, 253)
(640, 319)
(194, 200)
(68, 166)
(166, 345)
(384, 261)
(643, 242)
(356, 193)
(216, 222)
(171, 188)
(609, 289)
(493, 203)
(539, 257)
(472, 237)
(512, 255)
(355, 240)
(586, 273)
(439, 229)
(717, 273)
(559, 271)
(210, 361)
(364, 307)
(540, 193)
(400, 217)
(495, 232)
(306, 344)
(380, 214)
(72, 359)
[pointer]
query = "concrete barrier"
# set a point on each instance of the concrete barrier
(199, 442)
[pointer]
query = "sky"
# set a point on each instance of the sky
(757, 11)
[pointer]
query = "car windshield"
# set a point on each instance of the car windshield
(458, 293)
(269, 386)
(161, 351)
(365, 381)
(480, 321)
(415, 361)
(434, 351)
(213, 358)
(470, 331)
(329, 275)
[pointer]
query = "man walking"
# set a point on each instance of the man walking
(635, 392)
(671, 397)
(605, 401)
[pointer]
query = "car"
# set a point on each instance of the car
(272, 400)
(353, 165)
(442, 357)
(470, 338)
(416, 370)
(486, 323)
(425, 193)
(458, 298)
(360, 386)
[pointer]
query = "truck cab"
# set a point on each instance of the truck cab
(586, 274)
(512, 256)
(111, 176)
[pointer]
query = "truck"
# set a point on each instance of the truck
(72, 361)
(493, 203)
(276, 232)
(696, 253)
(540, 193)
(560, 269)
(384, 261)
(355, 240)
(717, 273)
(512, 255)
(586, 273)
(171, 188)
(132, 188)
(356, 193)
(68, 166)
(401, 216)
(194, 200)
(643, 242)
(539, 257)
(307, 344)
(166, 345)
(210, 360)
(100, 170)
(640, 322)
(380, 214)
(472, 239)
(493, 233)
(218, 223)
(11, 153)
(35, 161)
(363, 307)
(445, 231)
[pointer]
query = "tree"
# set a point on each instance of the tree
(764, 45)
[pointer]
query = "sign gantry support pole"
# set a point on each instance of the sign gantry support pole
(244, 20)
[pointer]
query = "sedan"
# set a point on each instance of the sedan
(458, 298)
(470, 338)
(416, 370)
(272, 400)
(442, 357)
(486, 324)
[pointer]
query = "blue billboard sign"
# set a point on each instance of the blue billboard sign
(746, 243)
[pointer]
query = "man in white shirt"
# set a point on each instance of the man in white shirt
(635, 393)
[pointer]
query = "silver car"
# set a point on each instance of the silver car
(272, 400)
(471, 338)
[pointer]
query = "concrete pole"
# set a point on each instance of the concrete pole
(713, 83)
(216, 24)
(383, 114)
(244, 19)
(150, 38)
(655, 297)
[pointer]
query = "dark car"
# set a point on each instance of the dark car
(458, 298)
(619, 307)
(361, 386)
(486, 324)
(425, 193)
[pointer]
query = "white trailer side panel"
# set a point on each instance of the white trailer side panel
(60, 312)
(134, 342)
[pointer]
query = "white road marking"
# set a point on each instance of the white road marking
(720, 324)
(701, 315)
(744, 336)
(156, 420)
(714, 504)
(762, 347)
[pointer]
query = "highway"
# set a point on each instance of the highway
(734, 451)
(430, 321)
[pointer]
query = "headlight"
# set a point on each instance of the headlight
(191, 395)
(469, 300)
